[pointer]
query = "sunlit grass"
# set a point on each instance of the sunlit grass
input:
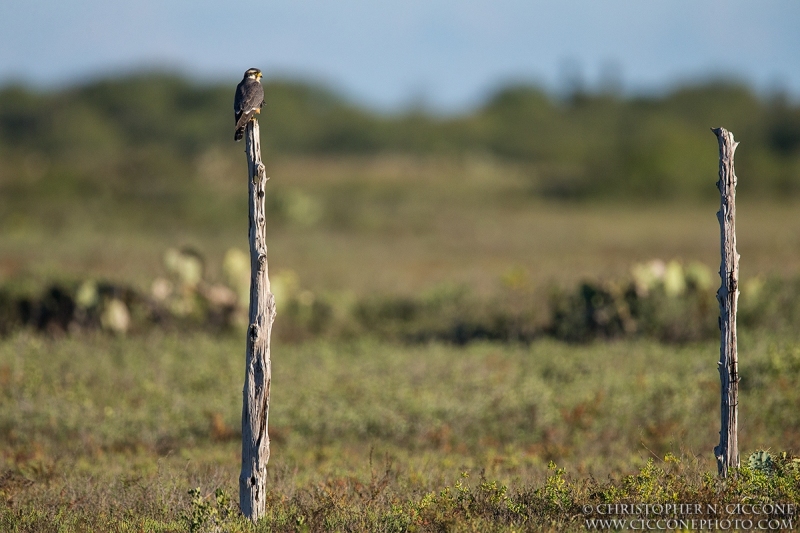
(128, 425)
(391, 224)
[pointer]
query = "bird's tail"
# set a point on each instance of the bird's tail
(239, 134)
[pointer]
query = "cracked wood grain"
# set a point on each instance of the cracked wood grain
(727, 451)
(258, 374)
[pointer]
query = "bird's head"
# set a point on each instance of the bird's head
(252, 74)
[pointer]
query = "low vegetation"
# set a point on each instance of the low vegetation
(668, 302)
(497, 321)
(108, 433)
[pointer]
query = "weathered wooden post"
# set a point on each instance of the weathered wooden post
(727, 452)
(258, 374)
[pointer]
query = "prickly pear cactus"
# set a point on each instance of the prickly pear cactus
(762, 461)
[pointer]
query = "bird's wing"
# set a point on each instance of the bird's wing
(243, 117)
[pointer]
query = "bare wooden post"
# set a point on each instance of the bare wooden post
(727, 452)
(258, 374)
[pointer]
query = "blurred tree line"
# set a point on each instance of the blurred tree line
(142, 137)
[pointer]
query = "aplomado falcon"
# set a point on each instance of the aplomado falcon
(248, 100)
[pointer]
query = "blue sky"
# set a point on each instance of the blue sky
(446, 54)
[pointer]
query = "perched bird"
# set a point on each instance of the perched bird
(248, 100)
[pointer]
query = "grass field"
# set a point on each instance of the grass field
(389, 224)
(110, 433)
(103, 433)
